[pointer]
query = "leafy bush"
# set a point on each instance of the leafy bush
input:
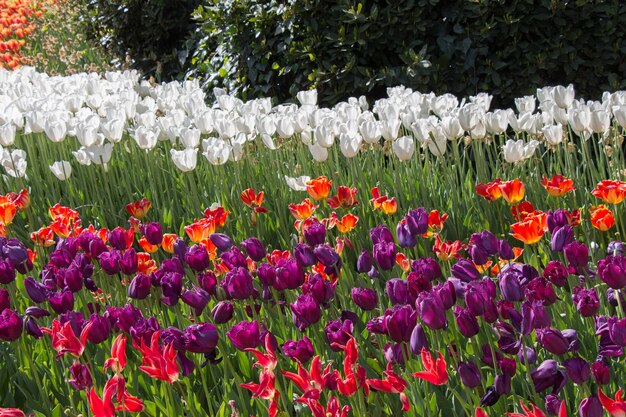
(257, 47)
(151, 34)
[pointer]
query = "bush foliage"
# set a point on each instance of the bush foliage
(346, 48)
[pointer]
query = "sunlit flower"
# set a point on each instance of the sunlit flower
(253, 200)
(447, 250)
(521, 210)
(610, 191)
(319, 188)
(512, 191)
(303, 210)
(383, 203)
(558, 185)
(435, 223)
(392, 383)
(139, 209)
(616, 407)
(158, 362)
(531, 229)
(489, 190)
(435, 370)
(7, 211)
(602, 218)
(345, 198)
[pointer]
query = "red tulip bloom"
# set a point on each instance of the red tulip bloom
(345, 198)
(512, 191)
(616, 407)
(268, 360)
(253, 200)
(312, 382)
(159, 362)
(11, 412)
(480, 413)
(139, 209)
(117, 361)
(65, 341)
(490, 190)
(435, 372)
(531, 229)
(602, 218)
(21, 199)
(435, 223)
(319, 188)
(353, 372)
(558, 185)
(534, 411)
(383, 203)
(392, 383)
(522, 210)
(333, 408)
(114, 388)
(304, 210)
(447, 250)
(266, 390)
(610, 191)
(7, 211)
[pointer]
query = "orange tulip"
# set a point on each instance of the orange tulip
(146, 265)
(139, 209)
(531, 229)
(347, 222)
(167, 244)
(21, 199)
(345, 198)
(7, 211)
(319, 188)
(610, 191)
(253, 200)
(447, 250)
(512, 191)
(304, 210)
(522, 210)
(435, 223)
(403, 262)
(43, 236)
(489, 190)
(558, 185)
(147, 246)
(217, 215)
(573, 217)
(602, 218)
(383, 203)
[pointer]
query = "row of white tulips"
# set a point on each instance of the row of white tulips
(102, 112)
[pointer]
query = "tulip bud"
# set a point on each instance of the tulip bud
(465, 270)
(470, 374)
(552, 340)
(299, 350)
(366, 298)
(100, 329)
(504, 251)
(254, 248)
(417, 221)
(196, 299)
(222, 312)
(478, 254)
(221, 241)
(305, 311)
(418, 340)
(364, 262)
(400, 323)
(338, 332)
(152, 232)
(315, 234)
(561, 237)
(590, 407)
(431, 310)
(466, 322)
(81, 377)
(32, 328)
(601, 372)
(245, 335)
(578, 370)
(510, 285)
(405, 238)
(200, 338)
(491, 397)
(139, 287)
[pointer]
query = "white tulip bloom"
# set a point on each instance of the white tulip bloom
(268, 141)
(216, 151)
(113, 130)
(444, 104)
(307, 98)
(525, 104)
(100, 155)
(324, 135)
(553, 134)
(438, 143)
(483, 100)
(61, 169)
(579, 118)
(516, 150)
(226, 127)
(82, 157)
(600, 121)
(496, 122)
(189, 137)
(7, 134)
(319, 153)
(349, 144)
(564, 96)
(390, 129)
(370, 131)
(186, 159)
(404, 147)
(297, 184)
(620, 115)
(145, 138)
(205, 122)
(479, 131)
(470, 115)
(285, 127)
(14, 162)
(452, 128)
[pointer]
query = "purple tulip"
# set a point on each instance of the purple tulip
(299, 350)
(590, 407)
(491, 397)
(97, 247)
(117, 238)
(397, 290)
(364, 262)
(488, 355)
(100, 329)
(616, 248)
(469, 374)
(315, 234)
(385, 255)
(399, 322)
(200, 338)
(139, 287)
(110, 262)
(222, 241)
(234, 258)
(553, 404)
(465, 270)
(5, 299)
(171, 287)
(36, 312)
(561, 237)
(175, 336)
(534, 316)
(197, 257)
(321, 289)
(305, 311)
(547, 375)
(196, 298)
(245, 335)
(238, 284)
(431, 310)
(222, 312)
(366, 298)
(556, 219)
(552, 340)
(254, 248)
(338, 332)
(11, 325)
(152, 232)
(381, 234)
(601, 372)
(396, 353)
(405, 238)
(527, 355)
(289, 275)
(143, 329)
(418, 340)
(504, 250)
(577, 254)
(586, 301)
(32, 328)
(7, 272)
(478, 296)
(556, 273)
(578, 370)
(417, 221)
(466, 322)
(377, 325)
(129, 262)
(326, 255)
(510, 285)
(207, 281)
(36, 291)
(81, 377)
(612, 271)
(180, 248)
(61, 302)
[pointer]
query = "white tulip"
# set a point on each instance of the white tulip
(319, 153)
(404, 147)
(226, 127)
(61, 169)
(145, 138)
(483, 100)
(190, 137)
(444, 104)
(525, 104)
(545, 94)
(579, 119)
(86, 134)
(185, 160)
(470, 115)
(217, 151)
(452, 127)
(438, 142)
(297, 184)
(516, 151)
(204, 122)
(479, 131)
(350, 144)
(285, 127)
(82, 157)
(226, 102)
(620, 115)
(370, 131)
(564, 96)
(553, 134)
(14, 163)
(268, 141)
(600, 121)
(113, 130)
(266, 125)
(7, 134)
(324, 135)
(35, 122)
(496, 122)
(100, 155)
(390, 129)
(307, 98)
(423, 128)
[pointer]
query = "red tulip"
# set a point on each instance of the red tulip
(266, 390)
(435, 372)
(117, 361)
(159, 362)
(268, 360)
(11, 412)
(392, 383)
(333, 408)
(616, 407)
(65, 341)
(353, 372)
(312, 382)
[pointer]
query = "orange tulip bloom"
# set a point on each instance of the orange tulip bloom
(345, 224)
(146, 265)
(7, 211)
(384, 203)
(447, 250)
(435, 223)
(319, 188)
(3, 230)
(573, 217)
(304, 210)
(200, 230)
(147, 246)
(512, 191)
(558, 185)
(167, 244)
(610, 191)
(217, 215)
(21, 199)
(345, 198)
(522, 210)
(43, 236)
(489, 190)
(253, 200)
(139, 209)
(602, 218)
(403, 262)
(531, 229)
(59, 212)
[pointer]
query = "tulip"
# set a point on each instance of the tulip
(601, 372)
(337, 333)
(469, 374)
(61, 302)
(171, 287)
(616, 248)
(222, 312)
(32, 328)
(234, 258)
(326, 255)
(553, 404)
(5, 299)
(405, 238)
(100, 329)
(556, 273)
(466, 322)
(254, 248)
(305, 311)
(110, 262)
(11, 325)
(610, 191)
(289, 275)
(418, 340)
(590, 407)
(128, 262)
(321, 289)
(381, 234)
(552, 340)
(491, 397)
(238, 284)
(197, 258)
(612, 271)
(81, 377)
(488, 355)
(196, 299)
(431, 310)
(397, 290)
(245, 335)
(527, 355)
(601, 218)
(465, 270)
(7, 272)
(385, 255)
(139, 287)
(303, 254)
(577, 254)
(561, 237)
(299, 350)
(578, 370)
(586, 301)
(364, 262)
(510, 285)
(200, 338)
(152, 232)
(399, 323)
(417, 221)
(547, 375)
(366, 298)
(315, 234)
(534, 316)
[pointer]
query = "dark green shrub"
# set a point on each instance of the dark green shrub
(346, 48)
(151, 33)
